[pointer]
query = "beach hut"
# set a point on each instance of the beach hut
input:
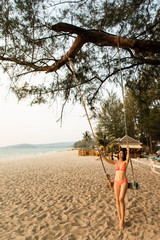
(133, 144)
(121, 143)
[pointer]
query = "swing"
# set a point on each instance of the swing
(133, 185)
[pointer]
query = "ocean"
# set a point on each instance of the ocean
(17, 152)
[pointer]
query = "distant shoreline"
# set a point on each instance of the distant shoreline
(47, 145)
(9, 153)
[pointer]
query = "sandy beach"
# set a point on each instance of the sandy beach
(62, 196)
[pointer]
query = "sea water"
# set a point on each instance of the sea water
(17, 152)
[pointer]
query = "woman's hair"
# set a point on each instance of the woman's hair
(124, 154)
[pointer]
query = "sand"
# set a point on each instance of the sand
(62, 196)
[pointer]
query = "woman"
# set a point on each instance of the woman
(120, 184)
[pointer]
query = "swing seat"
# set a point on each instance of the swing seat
(134, 185)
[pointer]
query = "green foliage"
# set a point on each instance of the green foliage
(80, 144)
(102, 137)
(111, 118)
(27, 39)
(142, 103)
(145, 94)
(131, 115)
(86, 142)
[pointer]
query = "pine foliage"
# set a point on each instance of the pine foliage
(28, 45)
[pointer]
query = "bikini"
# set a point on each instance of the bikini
(120, 169)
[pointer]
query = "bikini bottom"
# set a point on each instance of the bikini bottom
(120, 183)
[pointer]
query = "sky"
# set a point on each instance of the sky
(22, 123)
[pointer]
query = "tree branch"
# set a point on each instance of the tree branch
(148, 29)
(102, 39)
(77, 45)
(113, 73)
(144, 60)
(68, 2)
(97, 38)
(60, 119)
(24, 63)
(106, 39)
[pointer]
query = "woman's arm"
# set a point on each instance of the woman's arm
(106, 159)
(127, 159)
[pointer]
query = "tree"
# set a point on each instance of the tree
(80, 144)
(145, 91)
(39, 35)
(103, 138)
(111, 118)
(132, 114)
(85, 142)
(87, 138)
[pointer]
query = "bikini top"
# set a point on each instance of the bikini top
(120, 169)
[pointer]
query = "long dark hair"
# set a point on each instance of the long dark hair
(124, 154)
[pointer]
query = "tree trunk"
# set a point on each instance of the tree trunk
(147, 139)
(150, 139)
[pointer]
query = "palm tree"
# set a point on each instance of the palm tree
(87, 137)
(103, 138)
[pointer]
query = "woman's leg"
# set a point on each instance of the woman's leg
(117, 193)
(123, 190)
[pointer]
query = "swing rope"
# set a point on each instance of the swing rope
(76, 81)
(124, 105)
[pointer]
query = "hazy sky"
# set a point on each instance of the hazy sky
(21, 123)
